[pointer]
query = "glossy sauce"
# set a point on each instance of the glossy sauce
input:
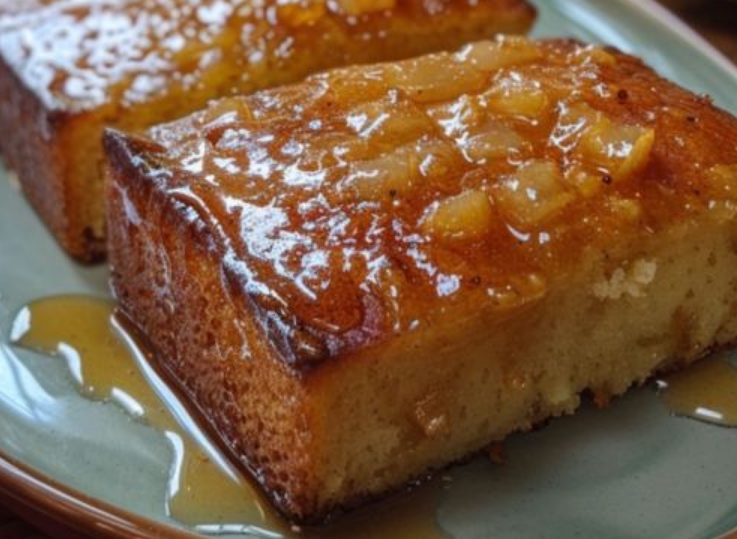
(86, 53)
(706, 391)
(410, 194)
(204, 490)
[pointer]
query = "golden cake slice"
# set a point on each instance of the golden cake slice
(378, 272)
(70, 67)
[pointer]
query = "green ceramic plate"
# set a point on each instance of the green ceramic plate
(631, 471)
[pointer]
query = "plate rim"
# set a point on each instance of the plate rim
(28, 491)
(659, 15)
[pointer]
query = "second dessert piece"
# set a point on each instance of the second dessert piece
(69, 67)
(379, 271)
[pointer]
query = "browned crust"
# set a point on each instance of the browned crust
(34, 147)
(711, 131)
(259, 386)
(56, 152)
(169, 246)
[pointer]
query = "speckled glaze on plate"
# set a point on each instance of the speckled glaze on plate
(630, 471)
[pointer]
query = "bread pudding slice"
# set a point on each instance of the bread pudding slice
(379, 271)
(70, 67)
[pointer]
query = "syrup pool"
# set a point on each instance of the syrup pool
(204, 491)
(706, 391)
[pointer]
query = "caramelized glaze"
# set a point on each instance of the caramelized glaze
(369, 201)
(204, 491)
(83, 54)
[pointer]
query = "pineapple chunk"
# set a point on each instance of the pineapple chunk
(494, 142)
(394, 174)
(389, 122)
(466, 216)
(458, 117)
(481, 139)
(515, 96)
(619, 148)
(505, 51)
(433, 78)
(383, 177)
(573, 121)
(437, 158)
(587, 183)
(534, 194)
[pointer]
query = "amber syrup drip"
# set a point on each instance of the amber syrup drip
(706, 391)
(204, 491)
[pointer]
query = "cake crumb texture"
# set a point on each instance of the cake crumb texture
(380, 271)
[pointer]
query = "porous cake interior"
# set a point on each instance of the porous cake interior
(379, 271)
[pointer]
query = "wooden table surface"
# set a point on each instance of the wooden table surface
(716, 20)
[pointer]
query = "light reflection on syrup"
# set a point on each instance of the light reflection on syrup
(706, 391)
(204, 491)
